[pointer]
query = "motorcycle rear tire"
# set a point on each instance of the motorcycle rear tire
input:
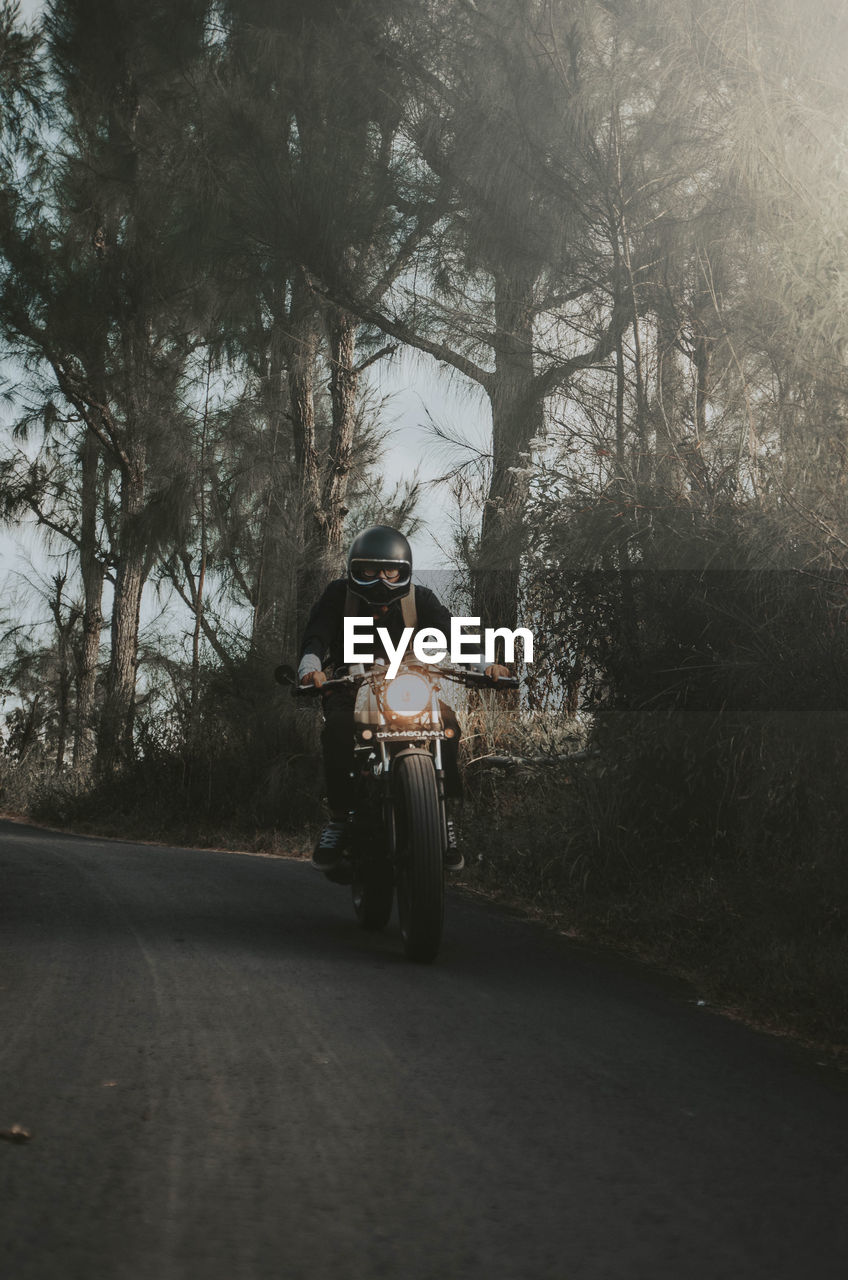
(421, 875)
(372, 900)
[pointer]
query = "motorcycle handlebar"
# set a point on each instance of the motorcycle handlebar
(313, 690)
(460, 674)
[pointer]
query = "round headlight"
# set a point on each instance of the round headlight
(407, 695)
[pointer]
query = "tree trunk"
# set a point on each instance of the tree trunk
(64, 628)
(301, 357)
(116, 730)
(669, 467)
(289, 536)
(64, 702)
(29, 733)
(198, 589)
(92, 580)
(266, 591)
(703, 369)
(344, 383)
(626, 515)
(702, 360)
(517, 417)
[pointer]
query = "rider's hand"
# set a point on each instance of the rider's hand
(496, 670)
(314, 677)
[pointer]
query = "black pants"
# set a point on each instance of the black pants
(337, 745)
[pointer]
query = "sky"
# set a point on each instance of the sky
(423, 395)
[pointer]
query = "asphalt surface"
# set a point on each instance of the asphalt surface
(223, 1077)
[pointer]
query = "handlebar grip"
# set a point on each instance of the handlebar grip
(306, 690)
(315, 690)
(489, 682)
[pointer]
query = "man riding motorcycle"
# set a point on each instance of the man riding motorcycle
(378, 585)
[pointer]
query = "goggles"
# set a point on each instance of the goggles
(397, 573)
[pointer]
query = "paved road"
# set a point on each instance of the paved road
(225, 1079)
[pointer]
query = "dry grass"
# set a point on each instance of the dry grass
(720, 859)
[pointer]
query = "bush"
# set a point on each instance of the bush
(249, 774)
(708, 829)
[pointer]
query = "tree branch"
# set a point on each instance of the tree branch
(191, 603)
(404, 333)
(378, 355)
(559, 375)
(425, 223)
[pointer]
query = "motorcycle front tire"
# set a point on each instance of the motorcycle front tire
(421, 875)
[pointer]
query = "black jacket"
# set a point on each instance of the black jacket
(323, 635)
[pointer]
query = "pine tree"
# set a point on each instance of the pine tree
(100, 290)
(303, 139)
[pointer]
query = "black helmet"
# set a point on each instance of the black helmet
(374, 549)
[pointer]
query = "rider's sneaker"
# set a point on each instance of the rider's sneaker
(454, 860)
(329, 850)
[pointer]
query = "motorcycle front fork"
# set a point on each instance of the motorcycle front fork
(443, 808)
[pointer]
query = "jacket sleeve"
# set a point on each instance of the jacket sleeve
(322, 625)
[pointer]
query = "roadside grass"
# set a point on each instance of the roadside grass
(711, 847)
(232, 804)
